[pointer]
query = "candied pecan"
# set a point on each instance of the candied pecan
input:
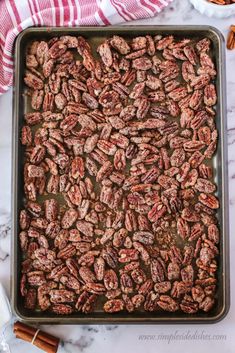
(62, 309)
(144, 237)
(105, 54)
(86, 274)
(99, 268)
(74, 195)
(209, 200)
(95, 288)
(150, 303)
(167, 303)
(24, 220)
(164, 42)
(30, 299)
(190, 215)
(33, 81)
(69, 218)
(162, 287)
(207, 303)
(189, 51)
(173, 271)
(127, 255)
(37, 99)
(61, 296)
(33, 118)
(113, 305)
(192, 146)
(51, 209)
(183, 228)
(122, 143)
(210, 96)
(110, 255)
(200, 81)
(203, 45)
(213, 233)
(196, 99)
(67, 252)
(120, 44)
(119, 237)
(110, 280)
(188, 305)
(89, 304)
(26, 135)
(157, 271)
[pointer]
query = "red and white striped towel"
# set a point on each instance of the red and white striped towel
(16, 15)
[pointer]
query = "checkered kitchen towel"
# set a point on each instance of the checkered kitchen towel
(16, 15)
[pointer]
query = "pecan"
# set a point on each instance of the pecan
(205, 186)
(188, 305)
(193, 146)
(196, 99)
(67, 252)
(157, 271)
(190, 215)
(209, 200)
(150, 303)
(164, 42)
(62, 309)
(30, 299)
(126, 283)
(51, 210)
(142, 63)
(120, 44)
(86, 274)
(213, 233)
(110, 280)
(61, 296)
(200, 81)
(69, 218)
(162, 287)
(173, 271)
(187, 274)
(118, 171)
(167, 303)
(207, 304)
(138, 300)
(105, 54)
(183, 228)
(198, 294)
(110, 255)
(113, 306)
(127, 255)
(143, 237)
(33, 81)
(210, 96)
(190, 54)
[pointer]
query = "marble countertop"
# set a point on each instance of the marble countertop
(162, 338)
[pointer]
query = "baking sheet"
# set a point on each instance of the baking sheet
(96, 35)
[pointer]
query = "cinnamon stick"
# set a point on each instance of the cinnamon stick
(23, 327)
(231, 40)
(23, 335)
(43, 340)
(46, 337)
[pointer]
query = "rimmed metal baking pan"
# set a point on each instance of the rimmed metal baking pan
(94, 35)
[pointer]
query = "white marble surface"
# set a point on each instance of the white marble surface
(93, 339)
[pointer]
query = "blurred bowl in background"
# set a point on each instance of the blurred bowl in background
(213, 10)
